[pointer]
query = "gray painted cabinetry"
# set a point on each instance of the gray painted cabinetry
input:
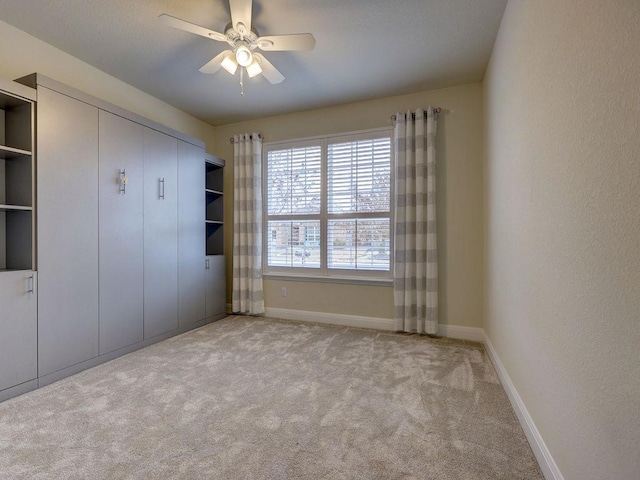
(160, 233)
(216, 286)
(18, 298)
(191, 234)
(67, 192)
(18, 328)
(216, 302)
(121, 241)
(121, 232)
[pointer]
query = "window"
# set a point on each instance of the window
(328, 205)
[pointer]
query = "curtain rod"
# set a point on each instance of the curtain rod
(436, 110)
(250, 136)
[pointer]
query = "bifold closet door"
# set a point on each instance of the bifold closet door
(191, 233)
(160, 233)
(121, 235)
(67, 205)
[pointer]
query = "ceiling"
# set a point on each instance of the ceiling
(364, 48)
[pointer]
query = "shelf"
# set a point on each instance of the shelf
(214, 192)
(14, 208)
(7, 153)
(3, 270)
(214, 222)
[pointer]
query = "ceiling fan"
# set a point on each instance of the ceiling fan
(244, 41)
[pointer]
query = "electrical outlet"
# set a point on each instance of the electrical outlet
(283, 291)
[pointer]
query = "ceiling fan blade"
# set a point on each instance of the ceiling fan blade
(296, 41)
(268, 70)
(241, 14)
(191, 28)
(213, 65)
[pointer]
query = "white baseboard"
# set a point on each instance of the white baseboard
(473, 334)
(547, 464)
(356, 321)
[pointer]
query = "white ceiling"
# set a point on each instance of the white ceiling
(364, 48)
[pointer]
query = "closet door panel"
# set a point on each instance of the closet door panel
(121, 234)
(191, 233)
(160, 233)
(18, 328)
(67, 201)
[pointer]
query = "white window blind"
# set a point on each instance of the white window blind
(328, 206)
(360, 176)
(294, 181)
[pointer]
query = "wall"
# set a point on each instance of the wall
(22, 54)
(459, 201)
(562, 183)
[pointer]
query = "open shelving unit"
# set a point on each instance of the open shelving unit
(16, 177)
(214, 219)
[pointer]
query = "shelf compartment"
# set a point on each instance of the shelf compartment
(215, 238)
(16, 180)
(214, 177)
(16, 239)
(215, 208)
(16, 127)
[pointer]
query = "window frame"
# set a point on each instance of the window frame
(323, 273)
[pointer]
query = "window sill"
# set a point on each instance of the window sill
(378, 282)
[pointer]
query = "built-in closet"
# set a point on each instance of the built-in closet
(120, 258)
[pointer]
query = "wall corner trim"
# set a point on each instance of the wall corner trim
(547, 464)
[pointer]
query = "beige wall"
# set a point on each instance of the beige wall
(459, 201)
(22, 54)
(562, 106)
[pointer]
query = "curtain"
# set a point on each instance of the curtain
(247, 295)
(415, 286)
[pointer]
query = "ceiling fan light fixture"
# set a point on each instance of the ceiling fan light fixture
(244, 56)
(254, 69)
(229, 64)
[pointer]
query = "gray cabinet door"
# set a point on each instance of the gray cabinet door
(160, 233)
(191, 233)
(216, 286)
(121, 236)
(67, 205)
(18, 328)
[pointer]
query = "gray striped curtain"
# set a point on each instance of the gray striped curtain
(247, 295)
(415, 286)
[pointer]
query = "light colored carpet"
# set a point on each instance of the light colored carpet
(248, 398)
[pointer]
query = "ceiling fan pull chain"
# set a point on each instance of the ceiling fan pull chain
(242, 81)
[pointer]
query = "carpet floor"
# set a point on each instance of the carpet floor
(247, 398)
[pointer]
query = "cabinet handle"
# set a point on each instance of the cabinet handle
(123, 181)
(30, 284)
(207, 264)
(161, 185)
